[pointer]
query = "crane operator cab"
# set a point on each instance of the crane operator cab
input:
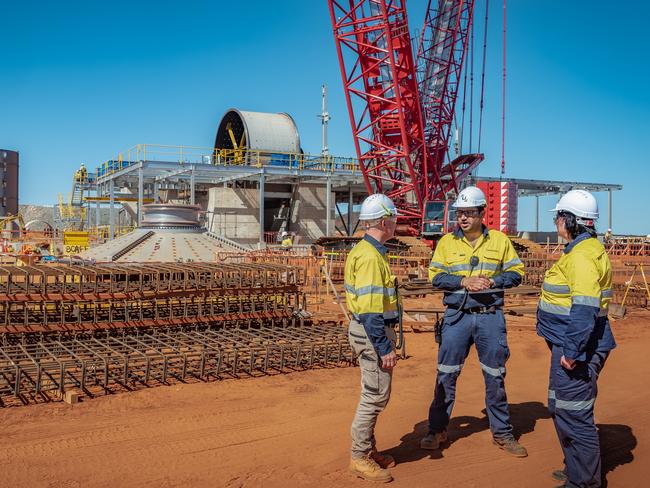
(438, 219)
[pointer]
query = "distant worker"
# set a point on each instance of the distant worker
(287, 241)
(82, 174)
(608, 236)
(473, 265)
(572, 317)
(372, 302)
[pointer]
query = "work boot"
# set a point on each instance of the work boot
(367, 468)
(511, 446)
(384, 460)
(431, 442)
(559, 475)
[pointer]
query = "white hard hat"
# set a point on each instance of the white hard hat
(284, 233)
(470, 197)
(580, 203)
(609, 230)
(377, 206)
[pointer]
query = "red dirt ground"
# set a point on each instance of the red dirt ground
(293, 430)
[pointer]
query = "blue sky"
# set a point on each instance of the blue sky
(82, 81)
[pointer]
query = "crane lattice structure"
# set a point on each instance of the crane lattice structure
(402, 107)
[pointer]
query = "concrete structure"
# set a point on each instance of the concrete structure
(169, 233)
(300, 207)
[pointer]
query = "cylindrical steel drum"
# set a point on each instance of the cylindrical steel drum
(258, 131)
(170, 216)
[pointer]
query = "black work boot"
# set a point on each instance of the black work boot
(511, 446)
(559, 475)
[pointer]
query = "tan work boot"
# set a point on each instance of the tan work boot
(511, 446)
(431, 442)
(367, 468)
(384, 460)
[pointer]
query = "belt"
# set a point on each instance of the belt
(491, 309)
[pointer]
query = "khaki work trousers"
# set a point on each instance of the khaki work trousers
(375, 388)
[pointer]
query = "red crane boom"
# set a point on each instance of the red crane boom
(378, 70)
(400, 121)
(441, 54)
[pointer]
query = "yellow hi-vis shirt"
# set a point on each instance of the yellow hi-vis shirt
(497, 259)
(287, 242)
(572, 310)
(370, 291)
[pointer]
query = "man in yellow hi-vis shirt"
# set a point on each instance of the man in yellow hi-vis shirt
(287, 242)
(372, 301)
(473, 265)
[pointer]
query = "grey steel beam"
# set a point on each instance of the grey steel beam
(192, 185)
(261, 214)
(328, 206)
(609, 208)
(350, 207)
(140, 193)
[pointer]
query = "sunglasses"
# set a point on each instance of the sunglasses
(468, 213)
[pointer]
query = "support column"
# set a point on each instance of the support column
(536, 213)
(111, 213)
(261, 183)
(140, 193)
(609, 209)
(156, 190)
(350, 206)
(328, 200)
(192, 182)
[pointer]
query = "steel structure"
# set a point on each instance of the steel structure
(47, 298)
(148, 168)
(401, 122)
(104, 362)
(441, 54)
(374, 50)
(103, 327)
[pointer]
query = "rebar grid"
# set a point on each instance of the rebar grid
(45, 298)
(33, 366)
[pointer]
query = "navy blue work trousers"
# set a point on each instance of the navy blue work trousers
(571, 397)
(488, 332)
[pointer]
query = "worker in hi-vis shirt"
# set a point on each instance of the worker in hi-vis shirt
(572, 317)
(473, 265)
(372, 301)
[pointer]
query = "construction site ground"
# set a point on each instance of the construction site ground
(293, 429)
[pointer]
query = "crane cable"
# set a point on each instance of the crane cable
(503, 97)
(471, 86)
(485, 30)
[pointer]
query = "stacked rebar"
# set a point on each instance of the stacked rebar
(101, 327)
(32, 367)
(42, 298)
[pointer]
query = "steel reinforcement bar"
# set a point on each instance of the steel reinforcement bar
(45, 298)
(32, 368)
